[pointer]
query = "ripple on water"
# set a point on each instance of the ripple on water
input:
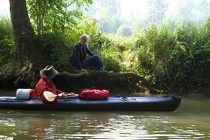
(177, 125)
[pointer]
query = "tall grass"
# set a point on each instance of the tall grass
(175, 59)
(170, 57)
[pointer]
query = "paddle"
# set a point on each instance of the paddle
(51, 97)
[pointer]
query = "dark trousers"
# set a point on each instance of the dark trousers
(93, 61)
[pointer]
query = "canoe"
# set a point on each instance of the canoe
(168, 103)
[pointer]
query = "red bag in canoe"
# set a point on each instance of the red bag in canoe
(94, 94)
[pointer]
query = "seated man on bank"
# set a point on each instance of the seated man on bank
(45, 88)
(79, 59)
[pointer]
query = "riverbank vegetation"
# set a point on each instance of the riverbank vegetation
(171, 57)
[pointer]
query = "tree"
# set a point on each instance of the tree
(107, 16)
(124, 31)
(194, 10)
(54, 16)
(23, 33)
(157, 11)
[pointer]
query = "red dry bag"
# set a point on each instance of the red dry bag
(94, 94)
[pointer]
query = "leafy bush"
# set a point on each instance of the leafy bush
(54, 45)
(6, 41)
(109, 58)
(174, 58)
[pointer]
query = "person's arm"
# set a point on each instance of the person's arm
(40, 88)
(88, 51)
(58, 91)
(63, 93)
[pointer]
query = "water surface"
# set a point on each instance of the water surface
(190, 121)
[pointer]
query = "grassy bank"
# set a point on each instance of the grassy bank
(172, 58)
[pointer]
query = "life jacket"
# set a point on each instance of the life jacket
(33, 94)
(94, 94)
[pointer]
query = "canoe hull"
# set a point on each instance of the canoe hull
(112, 103)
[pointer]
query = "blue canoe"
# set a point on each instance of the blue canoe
(169, 103)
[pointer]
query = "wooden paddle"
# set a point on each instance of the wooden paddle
(51, 97)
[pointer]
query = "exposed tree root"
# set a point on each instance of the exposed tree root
(116, 83)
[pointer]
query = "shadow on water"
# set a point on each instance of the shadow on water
(189, 121)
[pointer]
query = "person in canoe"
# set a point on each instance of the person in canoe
(79, 59)
(46, 89)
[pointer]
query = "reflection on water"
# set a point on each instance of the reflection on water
(101, 125)
(190, 121)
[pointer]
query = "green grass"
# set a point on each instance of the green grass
(171, 57)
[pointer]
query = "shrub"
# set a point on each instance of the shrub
(7, 44)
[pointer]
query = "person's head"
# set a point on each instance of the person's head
(84, 39)
(49, 72)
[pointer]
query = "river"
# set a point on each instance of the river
(190, 121)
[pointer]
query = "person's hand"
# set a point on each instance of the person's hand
(62, 94)
(83, 70)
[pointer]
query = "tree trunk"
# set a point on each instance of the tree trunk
(23, 32)
(28, 52)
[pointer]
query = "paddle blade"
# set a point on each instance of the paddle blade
(49, 96)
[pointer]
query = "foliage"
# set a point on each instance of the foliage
(109, 59)
(175, 58)
(124, 31)
(55, 16)
(6, 41)
(157, 10)
(172, 55)
(106, 16)
(110, 56)
(53, 44)
(108, 22)
(53, 22)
